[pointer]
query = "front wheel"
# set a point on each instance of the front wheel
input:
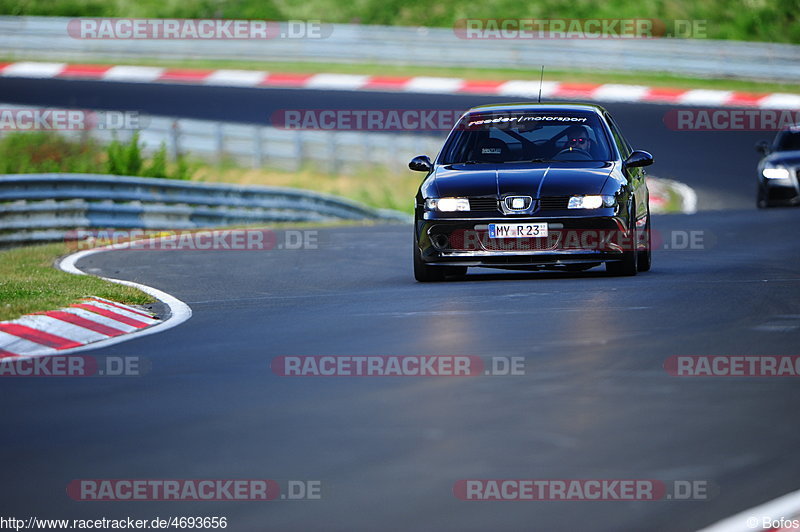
(630, 258)
(425, 273)
(626, 266)
(645, 258)
(761, 200)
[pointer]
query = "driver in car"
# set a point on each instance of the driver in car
(578, 139)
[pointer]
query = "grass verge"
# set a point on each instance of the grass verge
(378, 187)
(29, 282)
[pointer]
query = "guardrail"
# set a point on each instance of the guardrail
(257, 146)
(41, 207)
(47, 38)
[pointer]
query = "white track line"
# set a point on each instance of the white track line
(179, 311)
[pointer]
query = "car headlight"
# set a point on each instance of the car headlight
(447, 204)
(590, 202)
(775, 172)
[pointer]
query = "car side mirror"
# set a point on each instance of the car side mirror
(638, 158)
(762, 147)
(421, 163)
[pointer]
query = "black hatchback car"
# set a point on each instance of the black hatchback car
(532, 186)
(779, 169)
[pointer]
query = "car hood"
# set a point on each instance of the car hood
(789, 158)
(530, 179)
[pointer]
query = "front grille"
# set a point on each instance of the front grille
(483, 204)
(781, 193)
(478, 240)
(518, 244)
(553, 202)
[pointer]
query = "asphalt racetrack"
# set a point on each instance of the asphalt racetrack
(595, 401)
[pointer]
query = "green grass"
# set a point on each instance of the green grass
(746, 20)
(33, 152)
(30, 283)
(44, 152)
(500, 74)
(378, 187)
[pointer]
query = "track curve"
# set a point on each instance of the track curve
(595, 401)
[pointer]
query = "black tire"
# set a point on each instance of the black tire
(761, 200)
(625, 267)
(629, 263)
(424, 273)
(645, 258)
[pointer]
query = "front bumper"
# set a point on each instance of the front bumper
(784, 193)
(570, 240)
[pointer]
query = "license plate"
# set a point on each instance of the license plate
(525, 230)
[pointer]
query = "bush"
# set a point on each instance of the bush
(125, 159)
(47, 152)
(43, 152)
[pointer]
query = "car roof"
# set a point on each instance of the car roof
(532, 106)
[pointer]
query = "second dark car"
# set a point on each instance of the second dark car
(779, 170)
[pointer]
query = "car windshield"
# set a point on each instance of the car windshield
(788, 141)
(526, 136)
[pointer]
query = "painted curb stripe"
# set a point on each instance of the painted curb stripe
(39, 337)
(113, 321)
(84, 71)
(113, 315)
(59, 328)
(22, 347)
(119, 306)
(97, 318)
(420, 84)
(147, 320)
(83, 322)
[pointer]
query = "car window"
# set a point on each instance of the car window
(788, 141)
(624, 148)
(525, 136)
